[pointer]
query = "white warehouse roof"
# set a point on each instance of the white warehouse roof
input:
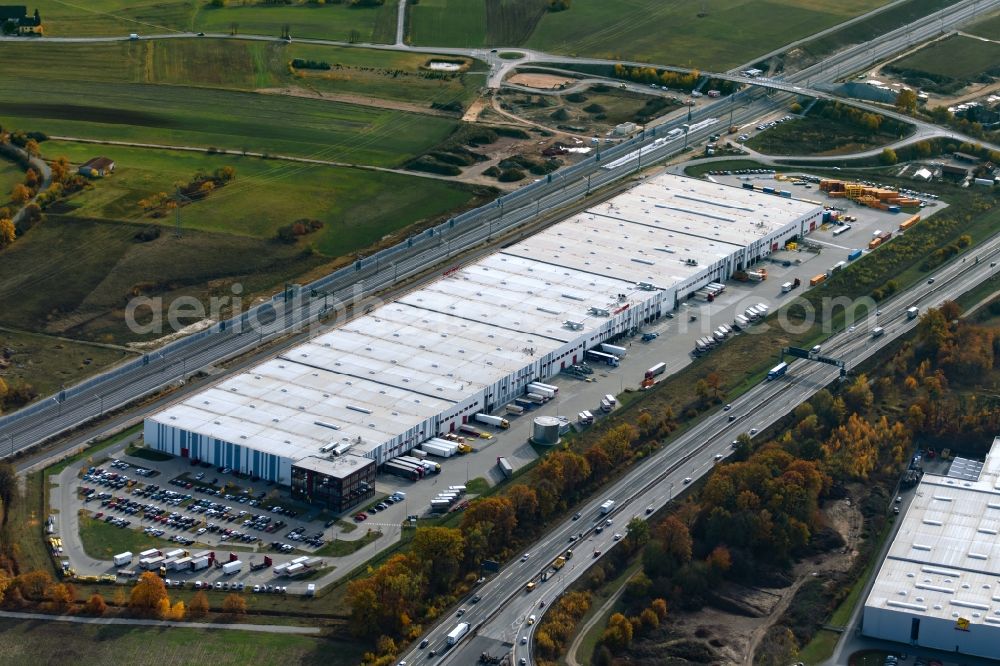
(393, 370)
(945, 560)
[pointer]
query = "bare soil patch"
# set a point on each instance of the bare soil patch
(541, 81)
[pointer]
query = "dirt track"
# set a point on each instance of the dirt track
(542, 81)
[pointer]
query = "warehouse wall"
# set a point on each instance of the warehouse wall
(982, 639)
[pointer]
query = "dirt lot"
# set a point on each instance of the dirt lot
(541, 81)
(734, 636)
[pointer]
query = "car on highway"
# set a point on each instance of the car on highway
(899, 500)
(572, 538)
(423, 643)
(649, 510)
(531, 619)
(475, 599)
(617, 537)
(576, 516)
(597, 554)
(687, 480)
(753, 431)
(524, 640)
(930, 280)
(732, 417)
(850, 329)
(727, 407)
(718, 457)
(524, 558)
(460, 613)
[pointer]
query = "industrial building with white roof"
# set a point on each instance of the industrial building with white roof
(471, 341)
(939, 586)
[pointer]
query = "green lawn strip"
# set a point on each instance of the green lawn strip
(90, 453)
(342, 548)
(103, 540)
(10, 175)
(477, 486)
(820, 648)
(148, 454)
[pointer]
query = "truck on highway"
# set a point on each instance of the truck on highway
(878, 332)
(456, 634)
(121, 559)
(912, 313)
(607, 507)
(777, 371)
(489, 419)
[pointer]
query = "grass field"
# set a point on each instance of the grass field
(816, 135)
(989, 27)
(130, 92)
(358, 207)
(48, 363)
(10, 175)
(117, 17)
(448, 22)
(872, 27)
(732, 33)
(596, 111)
(956, 57)
(102, 540)
(58, 642)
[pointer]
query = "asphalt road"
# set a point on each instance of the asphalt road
(173, 363)
(500, 618)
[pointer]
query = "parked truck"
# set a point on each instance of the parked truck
(456, 634)
(121, 559)
(614, 350)
(262, 565)
(514, 409)
(199, 563)
(607, 507)
(541, 389)
(496, 421)
(505, 467)
(234, 567)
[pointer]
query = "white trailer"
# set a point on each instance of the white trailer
(787, 287)
(614, 350)
(551, 387)
(182, 564)
(152, 552)
(461, 490)
(607, 507)
(151, 563)
(280, 569)
(436, 450)
(489, 419)
(912, 313)
(541, 390)
(417, 453)
(234, 567)
(173, 554)
(121, 559)
(199, 563)
(740, 321)
(300, 560)
(456, 634)
(516, 410)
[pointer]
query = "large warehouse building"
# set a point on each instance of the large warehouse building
(472, 340)
(939, 586)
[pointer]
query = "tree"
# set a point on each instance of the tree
(95, 605)
(20, 194)
(439, 551)
(60, 596)
(31, 147)
(8, 234)
(659, 606)
(618, 635)
(148, 594)
(234, 604)
(60, 169)
(34, 584)
(923, 148)
(199, 605)
(795, 107)
(177, 611)
(8, 476)
(636, 535)
(649, 619)
(906, 100)
(888, 157)
(525, 501)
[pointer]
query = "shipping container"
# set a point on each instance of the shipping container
(817, 279)
(874, 243)
(909, 222)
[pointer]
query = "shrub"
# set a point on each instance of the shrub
(510, 175)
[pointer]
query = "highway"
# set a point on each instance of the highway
(57, 414)
(500, 617)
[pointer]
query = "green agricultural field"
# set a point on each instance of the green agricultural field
(988, 27)
(119, 71)
(47, 363)
(448, 22)
(10, 175)
(818, 135)
(731, 33)
(337, 21)
(959, 58)
(358, 207)
(70, 275)
(62, 642)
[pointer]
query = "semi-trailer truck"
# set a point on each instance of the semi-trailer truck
(541, 390)
(614, 350)
(496, 421)
(777, 371)
(456, 634)
(656, 370)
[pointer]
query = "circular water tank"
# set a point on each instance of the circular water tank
(545, 431)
